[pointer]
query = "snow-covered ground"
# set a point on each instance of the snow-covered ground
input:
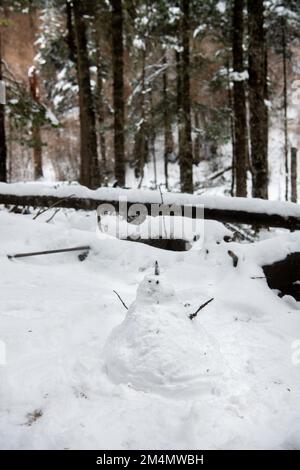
(57, 324)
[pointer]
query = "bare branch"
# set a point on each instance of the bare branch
(121, 300)
(57, 203)
(194, 315)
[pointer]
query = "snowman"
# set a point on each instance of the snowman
(159, 348)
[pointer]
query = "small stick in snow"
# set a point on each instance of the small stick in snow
(120, 298)
(52, 216)
(42, 211)
(48, 252)
(234, 258)
(193, 315)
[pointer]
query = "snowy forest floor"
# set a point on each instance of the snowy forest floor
(57, 312)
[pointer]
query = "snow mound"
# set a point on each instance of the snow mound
(158, 348)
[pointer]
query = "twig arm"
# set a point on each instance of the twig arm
(121, 300)
(193, 315)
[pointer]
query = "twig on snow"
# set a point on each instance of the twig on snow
(193, 315)
(121, 300)
(52, 216)
(49, 252)
(57, 203)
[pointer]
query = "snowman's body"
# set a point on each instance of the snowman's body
(157, 347)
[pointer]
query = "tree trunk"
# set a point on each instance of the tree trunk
(36, 130)
(89, 172)
(152, 137)
(141, 145)
(232, 132)
(197, 142)
(285, 109)
(239, 101)
(70, 36)
(179, 103)
(294, 175)
(168, 135)
(186, 158)
(3, 151)
(118, 90)
(100, 109)
(100, 96)
(257, 96)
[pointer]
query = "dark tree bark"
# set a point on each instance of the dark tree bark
(232, 132)
(239, 100)
(70, 36)
(285, 110)
(257, 97)
(141, 148)
(36, 130)
(100, 108)
(89, 172)
(118, 90)
(186, 157)
(3, 150)
(152, 137)
(168, 135)
(294, 175)
(100, 94)
(197, 142)
(179, 102)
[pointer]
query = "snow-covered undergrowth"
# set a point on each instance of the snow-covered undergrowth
(65, 384)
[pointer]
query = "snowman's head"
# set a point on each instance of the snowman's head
(154, 289)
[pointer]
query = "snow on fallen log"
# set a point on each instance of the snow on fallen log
(225, 209)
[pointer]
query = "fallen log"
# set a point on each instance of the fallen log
(172, 244)
(253, 212)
